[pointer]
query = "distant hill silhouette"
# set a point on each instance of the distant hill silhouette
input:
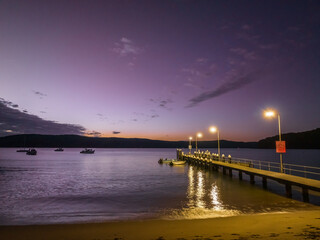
(75, 141)
(301, 140)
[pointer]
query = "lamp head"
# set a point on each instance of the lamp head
(199, 135)
(190, 138)
(269, 113)
(213, 129)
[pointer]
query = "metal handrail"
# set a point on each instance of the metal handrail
(295, 170)
(301, 166)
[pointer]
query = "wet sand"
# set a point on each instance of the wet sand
(292, 225)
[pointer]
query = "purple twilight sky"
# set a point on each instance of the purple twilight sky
(159, 69)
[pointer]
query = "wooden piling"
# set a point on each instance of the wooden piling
(288, 190)
(252, 178)
(264, 182)
(305, 194)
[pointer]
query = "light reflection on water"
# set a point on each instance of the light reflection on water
(200, 191)
(119, 184)
(203, 200)
(217, 205)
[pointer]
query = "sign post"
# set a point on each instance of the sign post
(281, 148)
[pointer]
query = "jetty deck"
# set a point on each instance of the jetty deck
(228, 167)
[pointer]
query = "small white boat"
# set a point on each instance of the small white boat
(172, 163)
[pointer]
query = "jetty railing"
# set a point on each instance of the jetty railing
(292, 169)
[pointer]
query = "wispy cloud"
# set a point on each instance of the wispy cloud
(162, 103)
(14, 121)
(231, 85)
(39, 94)
(201, 60)
(198, 72)
(246, 54)
(102, 117)
(267, 46)
(93, 133)
(246, 27)
(126, 47)
(144, 117)
(115, 132)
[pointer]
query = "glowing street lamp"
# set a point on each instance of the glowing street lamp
(199, 135)
(213, 130)
(272, 114)
(190, 146)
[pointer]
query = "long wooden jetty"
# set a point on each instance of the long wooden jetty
(213, 162)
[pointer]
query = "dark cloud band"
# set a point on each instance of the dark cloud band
(13, 121)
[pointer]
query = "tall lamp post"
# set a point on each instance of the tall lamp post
(213, 130)
(199, 135)
(271, 114)
(190, 146)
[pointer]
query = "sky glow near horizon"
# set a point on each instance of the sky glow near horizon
(159, 69)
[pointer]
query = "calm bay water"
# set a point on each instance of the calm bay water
(119, 184)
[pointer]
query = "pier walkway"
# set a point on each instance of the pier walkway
(228, 166)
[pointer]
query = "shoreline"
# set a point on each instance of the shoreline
(289, 225)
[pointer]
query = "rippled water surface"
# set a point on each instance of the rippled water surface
(119, 184)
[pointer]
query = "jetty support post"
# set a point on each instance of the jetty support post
(179, 154)
(252, 178)
(224, 170)
(288, 190)
(264, 182)
(305, 194)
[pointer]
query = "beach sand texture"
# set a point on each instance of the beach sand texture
(292, 225)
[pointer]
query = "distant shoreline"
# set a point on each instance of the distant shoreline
(302, 140)
(201, 148)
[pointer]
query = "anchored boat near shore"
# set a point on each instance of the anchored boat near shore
(22, 150)
(88, 151)
(175, 162)
(167, 161)
(171, 162)
(31, 151)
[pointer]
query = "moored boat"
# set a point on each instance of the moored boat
(59, 150)
(175, 162)
(87, 151)
(22, 150)
(31, 151)
(161, 160)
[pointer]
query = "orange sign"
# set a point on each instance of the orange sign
(281, 146)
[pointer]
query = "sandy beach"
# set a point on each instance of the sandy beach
(292, 225)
